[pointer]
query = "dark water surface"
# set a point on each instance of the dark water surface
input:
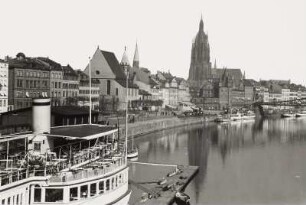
(256, 162)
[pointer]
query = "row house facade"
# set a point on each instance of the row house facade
(70, 86)
(28, 78)
(173, 90)
(84, 91)
(56, 81)
(3, 86)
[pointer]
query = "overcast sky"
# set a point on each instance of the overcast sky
(265, 38)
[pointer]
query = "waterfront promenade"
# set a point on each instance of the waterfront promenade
(149, 126)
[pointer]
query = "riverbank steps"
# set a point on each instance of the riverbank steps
(160, 187)
(145, 127)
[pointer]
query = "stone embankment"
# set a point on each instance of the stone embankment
(149, 126)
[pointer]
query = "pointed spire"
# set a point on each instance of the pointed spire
(136, 57)
(243, 75)
(125, 59)
(201, 27)
(215, 65)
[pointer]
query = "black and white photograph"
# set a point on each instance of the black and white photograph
(153, 102)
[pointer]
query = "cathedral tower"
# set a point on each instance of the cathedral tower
(200, 66)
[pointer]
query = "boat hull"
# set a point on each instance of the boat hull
(99, 200)
(300, 115)
(132, 155)
(287, 115)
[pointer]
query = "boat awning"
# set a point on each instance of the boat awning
(84, 132)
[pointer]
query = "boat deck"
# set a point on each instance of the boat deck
(144, 178)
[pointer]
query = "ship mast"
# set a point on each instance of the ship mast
(126, 110)
(89, 71)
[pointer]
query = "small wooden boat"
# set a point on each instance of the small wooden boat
(288, 115)
(133, 153)
(249, 115)
(236, 117)
(222, 118)
(301, 114)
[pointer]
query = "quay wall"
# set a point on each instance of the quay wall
(145, 127)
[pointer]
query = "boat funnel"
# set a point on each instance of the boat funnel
(41, 115)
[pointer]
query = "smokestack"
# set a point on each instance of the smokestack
(41, 116)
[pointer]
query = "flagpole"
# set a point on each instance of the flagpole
(89, 90)
(126, 111)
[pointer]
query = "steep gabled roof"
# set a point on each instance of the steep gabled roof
(140, 75)
(113, 64)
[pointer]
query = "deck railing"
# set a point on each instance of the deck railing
(93, 170)
(98, 168)
(13, 176)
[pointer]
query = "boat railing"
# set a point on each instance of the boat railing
(10, 176)
(91, 170)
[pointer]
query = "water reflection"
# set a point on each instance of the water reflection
(243, 162)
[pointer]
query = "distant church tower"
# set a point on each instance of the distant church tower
(136, 57)
(200, 66)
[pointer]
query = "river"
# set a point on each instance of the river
(255, 162)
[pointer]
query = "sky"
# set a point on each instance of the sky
(265, 38)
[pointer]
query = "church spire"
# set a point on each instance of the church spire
(136, 57)
(201, 27)
(125, 59)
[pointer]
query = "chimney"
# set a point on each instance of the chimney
(41, 116)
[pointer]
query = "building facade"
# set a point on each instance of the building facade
(70, 86)
(112, 81)
(3, 86)
(28, 78)
(84, 90)
(56, 81)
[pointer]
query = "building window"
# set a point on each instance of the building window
(37, 146)
(117, 91)
(19, 83)
(108, 87)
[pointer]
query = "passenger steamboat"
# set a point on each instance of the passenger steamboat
(77, 164)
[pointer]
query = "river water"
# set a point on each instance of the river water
(255, 162)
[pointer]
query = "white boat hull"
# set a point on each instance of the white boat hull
(287, 115)
(132, 154)
(124, 200)
(301, 115)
